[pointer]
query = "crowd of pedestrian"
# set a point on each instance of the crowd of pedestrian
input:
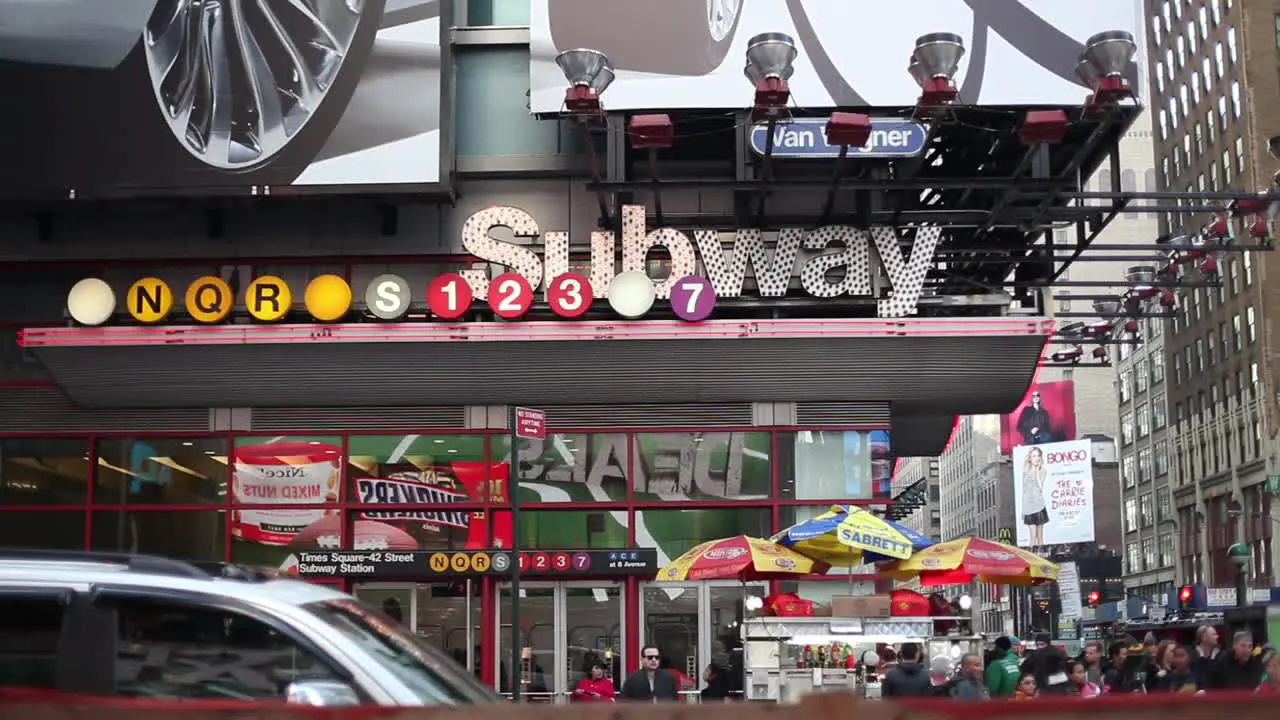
(1044, 671)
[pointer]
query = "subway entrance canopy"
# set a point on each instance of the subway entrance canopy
(924, 371)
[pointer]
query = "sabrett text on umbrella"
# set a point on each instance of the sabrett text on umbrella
(853, 537)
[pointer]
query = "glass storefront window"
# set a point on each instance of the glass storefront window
(702, 465)
(283, 472)
(789, 515)
(46, 529)
(568, 467)
(161, 471)
(419, 469)
(407, 529)
(182, 534)
(44, 471)
(564, 529)
(673, 532)
(289, 478)
(834, 465)
(486, 13)
(251, 547)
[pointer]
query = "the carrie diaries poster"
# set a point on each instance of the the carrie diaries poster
(1047, 414)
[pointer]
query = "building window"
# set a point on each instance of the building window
(1143, 420)
(834, 464)
(1132, 558)
(1146, 510)
(563, 467)
(1126, 429)
(188, 534)
(568, 529)
(735, 465)
(285, 489)
(1160, 458)
(1211, 346)
(44, 529)
(1166, 550)
(1149, 553)
(485, 13)
(45, 471)
(1126, 385)
(1249, 320)
(1144, 464)
(1239, 148)
(1127, 472)
(163, 471)
(677, 531)
(1140, 376)
(1164, 506)
(1159, 416)
(1177, 369)
(1157, 362)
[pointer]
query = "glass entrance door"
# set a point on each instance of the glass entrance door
(565, 628)
(446, 615)
(694, 624)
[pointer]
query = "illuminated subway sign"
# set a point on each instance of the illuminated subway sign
(829, 261)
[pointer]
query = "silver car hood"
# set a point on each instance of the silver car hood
(73, 33)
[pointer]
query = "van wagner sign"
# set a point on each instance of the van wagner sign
(825, 262)
(827, 250)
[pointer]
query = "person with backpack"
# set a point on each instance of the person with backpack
(1002, 671)
(907, 678)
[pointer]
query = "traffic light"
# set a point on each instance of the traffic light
(1185, 595)
(1094, 598)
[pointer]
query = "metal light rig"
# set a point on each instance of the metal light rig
(999, 181)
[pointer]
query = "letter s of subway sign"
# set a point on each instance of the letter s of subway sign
(706, 265)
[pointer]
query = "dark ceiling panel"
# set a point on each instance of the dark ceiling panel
(962, 374)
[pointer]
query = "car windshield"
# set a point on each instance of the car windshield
(433, 677)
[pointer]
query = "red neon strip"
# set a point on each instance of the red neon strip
(727, 330)
(892, 327)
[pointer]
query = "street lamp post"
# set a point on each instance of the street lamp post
(1241, 556)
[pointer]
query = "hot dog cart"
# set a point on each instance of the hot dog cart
(786, 658)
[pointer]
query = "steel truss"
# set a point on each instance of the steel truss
(999, 197)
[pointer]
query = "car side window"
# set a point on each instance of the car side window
(30, 632)
(178, 651)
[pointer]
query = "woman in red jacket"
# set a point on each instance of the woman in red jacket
(595, 687)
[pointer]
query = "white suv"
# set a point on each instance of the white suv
(148, 627)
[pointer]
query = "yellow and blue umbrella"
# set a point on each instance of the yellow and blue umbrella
(740, 558)
(849, 535)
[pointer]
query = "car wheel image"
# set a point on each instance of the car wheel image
(244, 85)
(669, 37)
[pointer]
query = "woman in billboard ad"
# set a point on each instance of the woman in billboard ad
(1035, 514)
(1053, 493)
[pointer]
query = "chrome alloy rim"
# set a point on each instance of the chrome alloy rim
(720, 17)
(237, 79)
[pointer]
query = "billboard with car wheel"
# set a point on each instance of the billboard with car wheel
(673, 54)
(142, 97)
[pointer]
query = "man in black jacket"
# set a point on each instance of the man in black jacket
(650, 683)
(908, 678)
(1238, 669)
